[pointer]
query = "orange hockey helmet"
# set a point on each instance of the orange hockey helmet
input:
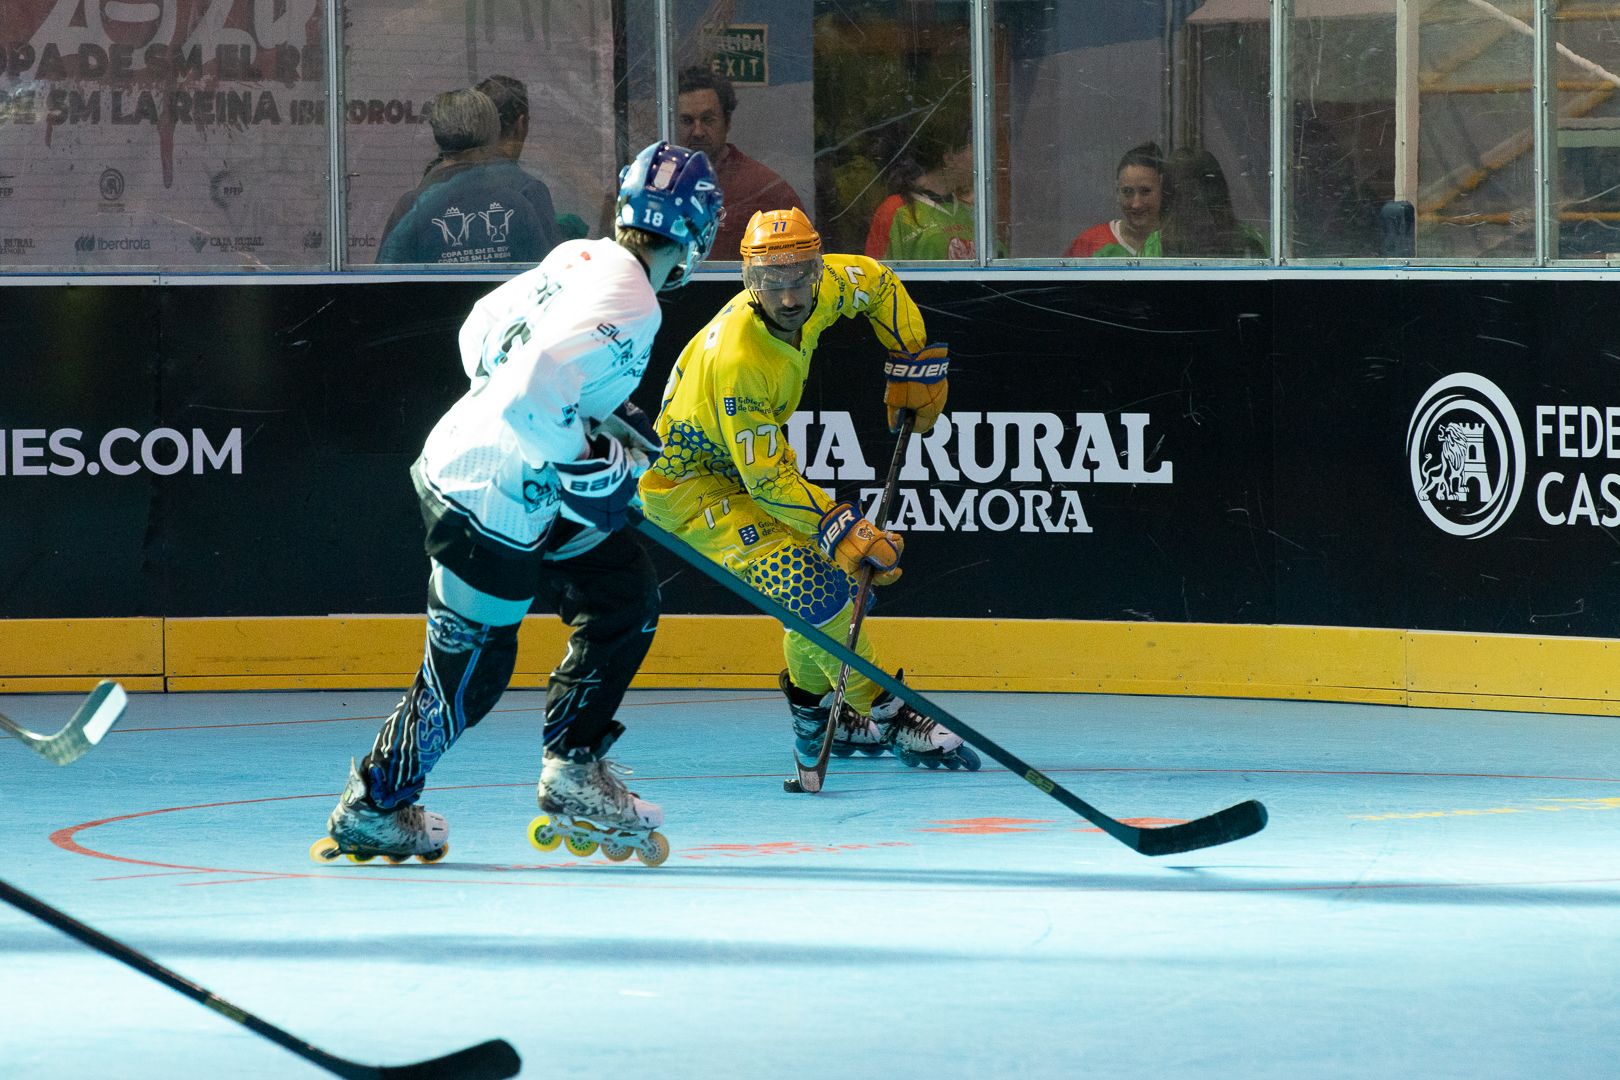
(780, 236)
(780, 249)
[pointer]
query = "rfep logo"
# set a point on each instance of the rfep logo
(1465, 448)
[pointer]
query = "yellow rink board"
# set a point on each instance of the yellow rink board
(45, 655)
(1375, 666)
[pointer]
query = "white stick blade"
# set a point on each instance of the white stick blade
(106, 703)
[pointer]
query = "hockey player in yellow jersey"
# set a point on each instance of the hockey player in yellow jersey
(728, 483)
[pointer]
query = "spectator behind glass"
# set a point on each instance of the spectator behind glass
(1139, 185)
(930, 213)
(472, 205)
(1198, 217)
(511, 100)
(703, 107)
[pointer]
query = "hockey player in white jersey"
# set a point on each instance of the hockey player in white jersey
(524, 485)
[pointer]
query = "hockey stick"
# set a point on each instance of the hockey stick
(1223, 826)
(99, 712)
(810, 780)
(493, 1060)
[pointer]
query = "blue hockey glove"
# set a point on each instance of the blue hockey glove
(630, 426)
(597, 490)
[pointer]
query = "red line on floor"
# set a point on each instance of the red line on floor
(374, 718)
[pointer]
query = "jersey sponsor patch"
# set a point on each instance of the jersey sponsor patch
(730, 404)
(748, 534)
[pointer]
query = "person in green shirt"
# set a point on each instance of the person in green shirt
(930, 214)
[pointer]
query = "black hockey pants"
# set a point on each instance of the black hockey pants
(608, 594)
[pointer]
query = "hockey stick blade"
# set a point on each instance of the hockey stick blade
(1222, 827)
(94, 718)
(493, 1060)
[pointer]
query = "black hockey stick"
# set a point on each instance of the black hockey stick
(811, 779)
(99, 712)
(493, 1060)
(1223, 826)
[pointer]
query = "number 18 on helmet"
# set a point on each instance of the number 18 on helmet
(671, 191)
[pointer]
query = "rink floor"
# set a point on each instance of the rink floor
(1437, 895)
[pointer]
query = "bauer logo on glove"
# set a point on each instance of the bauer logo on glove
(853, 543)
(596, 491)
(917, 382)
(916, 368)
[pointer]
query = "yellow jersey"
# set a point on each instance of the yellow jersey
(735, 385)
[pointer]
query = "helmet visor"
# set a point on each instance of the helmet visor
(764, 275)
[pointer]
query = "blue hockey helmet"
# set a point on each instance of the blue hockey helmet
(671, 191)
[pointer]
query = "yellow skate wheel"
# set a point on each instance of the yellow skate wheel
(395, 860)
(324, 850)
(434, 856)
(542, 835)
(582, 846)
(358, 856)
(653, 850)
(615, 852)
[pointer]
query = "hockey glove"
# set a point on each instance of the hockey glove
(597, 490)
(853, 542)
(632, 428)
(917, 382)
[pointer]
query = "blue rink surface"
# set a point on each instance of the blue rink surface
(1437, 895)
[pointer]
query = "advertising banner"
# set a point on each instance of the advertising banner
(1448, 456)
(193, 134)
(1427, 455)
(180, 133)
(1105, 453)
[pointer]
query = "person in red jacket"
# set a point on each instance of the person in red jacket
(704, 103)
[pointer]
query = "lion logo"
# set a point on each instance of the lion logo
(1465, 448)
(1462, 462)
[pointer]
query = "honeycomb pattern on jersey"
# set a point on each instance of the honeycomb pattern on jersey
(790, 491)
(802, 581)
(688, 452)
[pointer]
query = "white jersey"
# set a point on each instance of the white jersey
(552, 349)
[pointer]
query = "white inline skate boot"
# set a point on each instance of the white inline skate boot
(358, 829)
(917, 740)
(858, 734)
(586, 806)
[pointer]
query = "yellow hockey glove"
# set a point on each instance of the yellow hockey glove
(917, 381)
(853, 542)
